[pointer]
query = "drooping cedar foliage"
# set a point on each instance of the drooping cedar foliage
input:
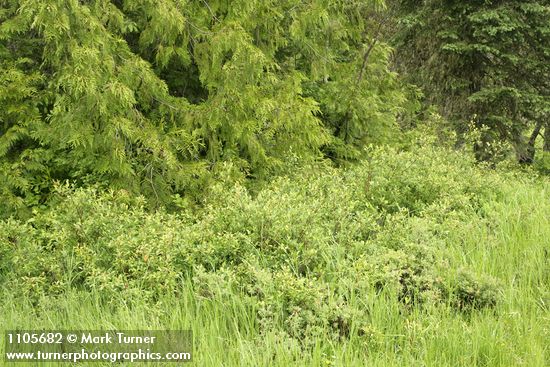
(152, 96)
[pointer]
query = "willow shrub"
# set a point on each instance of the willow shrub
(306, 252)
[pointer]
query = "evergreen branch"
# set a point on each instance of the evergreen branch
(210, 10)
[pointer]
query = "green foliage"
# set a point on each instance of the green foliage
(416, 255)
(472, 291)
(485, 62)
(153, 97)
(543, 164)
(298, 252)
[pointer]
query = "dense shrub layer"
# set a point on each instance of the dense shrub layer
(308, 251)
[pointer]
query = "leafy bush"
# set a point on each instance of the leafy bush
(475, 291)
(308, 250)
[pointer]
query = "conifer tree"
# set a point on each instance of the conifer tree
(482, 61)
(152, 96)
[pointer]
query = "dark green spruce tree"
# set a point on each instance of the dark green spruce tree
(485, 63)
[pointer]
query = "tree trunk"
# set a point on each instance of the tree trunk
(546, 146)
(526, 152)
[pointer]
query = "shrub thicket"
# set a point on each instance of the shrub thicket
(308, 250)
